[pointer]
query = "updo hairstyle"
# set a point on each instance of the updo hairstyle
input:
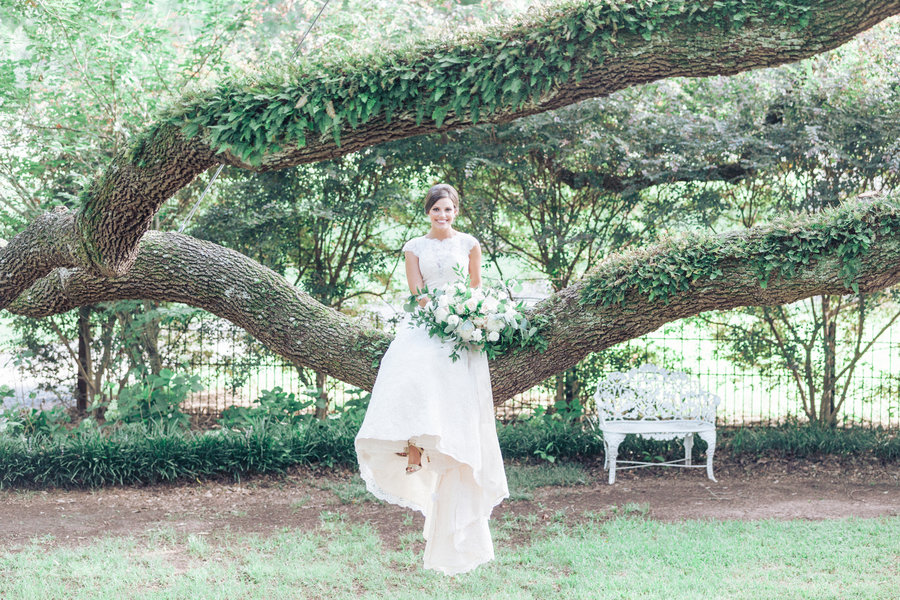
(441, 190)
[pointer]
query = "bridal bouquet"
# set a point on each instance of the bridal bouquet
(483, 319)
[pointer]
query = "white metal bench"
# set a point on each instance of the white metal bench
(654, 403)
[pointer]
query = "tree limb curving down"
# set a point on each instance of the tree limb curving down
(856, 246)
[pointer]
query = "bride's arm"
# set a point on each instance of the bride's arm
(414, 276)
(475, 266)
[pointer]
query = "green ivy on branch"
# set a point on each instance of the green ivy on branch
(469, 76)
(781, 249)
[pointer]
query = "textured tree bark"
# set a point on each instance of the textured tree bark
(84, 383)
(119, 206)
(178, 268)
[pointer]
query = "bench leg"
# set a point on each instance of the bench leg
(605, 454)
(688, 448)
(710, 438)
(612, 441)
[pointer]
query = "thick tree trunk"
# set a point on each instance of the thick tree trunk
(829, 373)
(322, 399)
(84, 383)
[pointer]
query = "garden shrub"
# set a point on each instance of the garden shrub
(139, 453)
(794, 439)
(155, 397)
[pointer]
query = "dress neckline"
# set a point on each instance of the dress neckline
(441, 239)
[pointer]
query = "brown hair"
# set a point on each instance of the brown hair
(441, 190)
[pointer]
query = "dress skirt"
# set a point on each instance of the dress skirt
(446, 408)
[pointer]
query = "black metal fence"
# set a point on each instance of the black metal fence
(746, 396)
(234, 370)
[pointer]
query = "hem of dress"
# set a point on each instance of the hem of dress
(369, 478)
(455, 571)
(383, 495)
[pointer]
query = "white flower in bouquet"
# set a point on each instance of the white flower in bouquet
(490, 304)
(495, 323)
(475, 319)
(465, 330)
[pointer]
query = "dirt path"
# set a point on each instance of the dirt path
(765, 489)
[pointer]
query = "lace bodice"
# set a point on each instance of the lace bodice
(438, 258)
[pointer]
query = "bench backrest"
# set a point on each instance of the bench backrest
(650, 393)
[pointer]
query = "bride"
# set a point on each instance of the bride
(428, 441)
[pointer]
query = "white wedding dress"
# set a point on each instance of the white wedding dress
(446, 408)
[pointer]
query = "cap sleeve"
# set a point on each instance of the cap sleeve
(413, 246)
(470, 242)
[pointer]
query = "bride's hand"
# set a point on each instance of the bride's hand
(423, 300)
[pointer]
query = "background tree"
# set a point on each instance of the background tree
(328, 227)
(81, 80)
(832, 127)
(78, 82)
(275, 122)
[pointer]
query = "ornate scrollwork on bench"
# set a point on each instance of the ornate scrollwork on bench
(658, 404)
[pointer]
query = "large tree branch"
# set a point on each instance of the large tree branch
(549, 59)
(173, 267)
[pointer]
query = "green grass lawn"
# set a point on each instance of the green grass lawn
(625, 556)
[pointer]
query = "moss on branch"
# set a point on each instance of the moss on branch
(464, 79)
(781, 249)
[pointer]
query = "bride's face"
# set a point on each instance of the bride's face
(442, 214)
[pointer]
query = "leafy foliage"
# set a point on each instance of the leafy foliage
(155, 398)
(279, 407)
(477, 74)
(805, 441)
(33, 421)
(781, 249)
(136, 455)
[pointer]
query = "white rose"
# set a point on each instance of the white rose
(444, 300)
(441, 314)
(479, 322)
(465, 330)
(471, 304)
(510, 314)
(452, 320)
(476, 335)
(460, 288)
(478, 294)
(495, 323)
(490, 305)
(493, 336)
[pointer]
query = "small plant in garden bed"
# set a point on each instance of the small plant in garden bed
(155, 397)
